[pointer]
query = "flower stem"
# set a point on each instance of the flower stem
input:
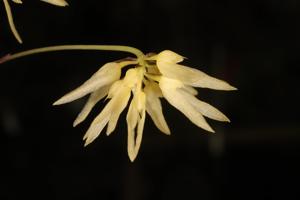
(139, 54)
(11, 21)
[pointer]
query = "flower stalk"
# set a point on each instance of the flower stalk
(139, 54)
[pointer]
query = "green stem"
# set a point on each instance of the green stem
(139, 54)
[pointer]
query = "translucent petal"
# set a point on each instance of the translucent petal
(119, 103)
(154, 108)
(192, 77)
(114, 89)
(98, 124)
(204, 108)
(166, 62)
(133, 77)
(179, 101)
(169, 56)
(56, 2)
(91, 102)
(135, 120)
(107, 74)
(17, 1)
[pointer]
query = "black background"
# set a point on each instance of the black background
(253, 44)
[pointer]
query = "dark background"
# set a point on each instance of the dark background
(253, 44)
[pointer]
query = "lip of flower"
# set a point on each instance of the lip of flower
(10, 16)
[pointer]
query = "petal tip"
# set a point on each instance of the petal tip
(59, 102)
(56, 103)
(85, 144)
(167, 132)
(75, 123)
(227, 120)
(233, 88)
(132, 157)
(87, 141)
(209, 129)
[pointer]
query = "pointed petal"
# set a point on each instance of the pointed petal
(17, 1)
(11, 20)
(135, 118)
(119, 103)
(166, 63)
(193, 77)
(107, 74)
(98, 124)
(132, 115)
(180, 102)
(154, 108)
(57, 2)
(169, 57)
(91, 102)
(139, 136)
(205, 108)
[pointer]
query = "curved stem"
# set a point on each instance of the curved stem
(11, 21)
(139, 54)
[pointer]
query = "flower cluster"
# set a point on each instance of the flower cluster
(150, 78)
(10, 16)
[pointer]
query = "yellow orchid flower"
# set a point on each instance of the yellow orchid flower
(149, 79)
(10, 16)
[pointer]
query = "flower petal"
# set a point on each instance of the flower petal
(107, 74)
(166, 62)
(121, 92)
(169, 56)
(113, 90)
(119, 104)
(98, 124)
(109, 114)
(17, 1)
(193, 77)
(205, 108)
(190, 90)
(57, 2)
(135, 119)
(91, 102)
(154, 108)
(180, 101)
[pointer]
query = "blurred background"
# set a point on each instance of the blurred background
(252, 44)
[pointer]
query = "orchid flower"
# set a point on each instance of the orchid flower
(148, 79)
